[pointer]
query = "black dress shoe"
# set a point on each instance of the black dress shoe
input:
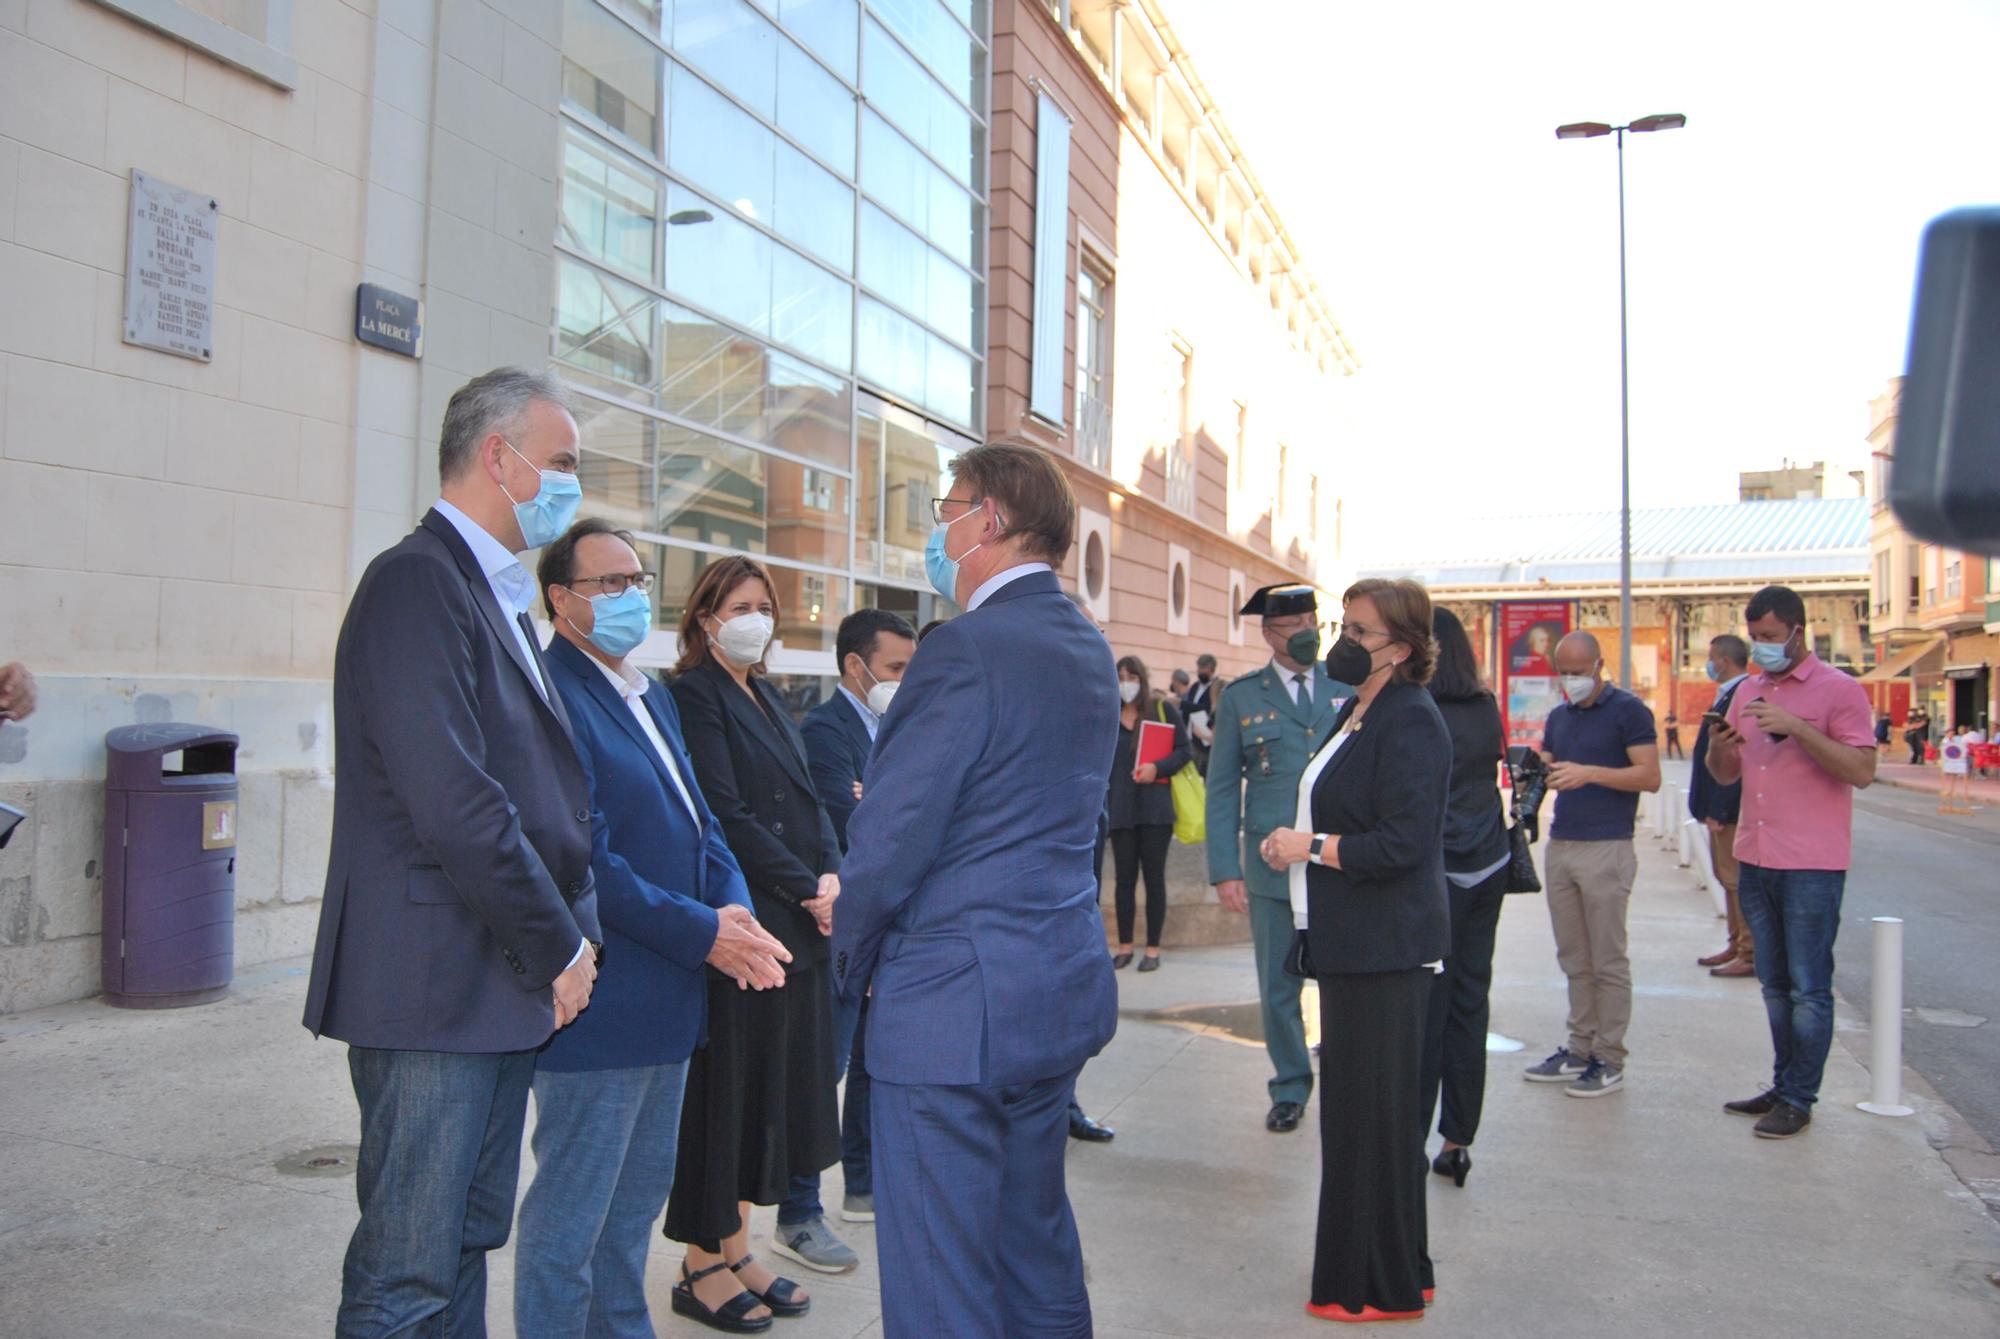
(1150, 963)
(1784, 1121)
(1120, 961)
(1760, 1105)
(1455, 1163)
(1284, 1117)
(1088, 1130)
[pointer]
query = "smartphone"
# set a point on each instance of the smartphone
(1714, 718)
(1775, 739)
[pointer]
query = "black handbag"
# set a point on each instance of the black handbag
(1521, 876)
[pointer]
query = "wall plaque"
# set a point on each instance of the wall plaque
(170, 269)
(391, 321)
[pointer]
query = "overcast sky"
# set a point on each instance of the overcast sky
(1472, 257)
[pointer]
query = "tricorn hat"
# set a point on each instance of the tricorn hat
(1281, 599)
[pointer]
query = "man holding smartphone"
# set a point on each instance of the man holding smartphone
(1799, 736)
(1716, 806)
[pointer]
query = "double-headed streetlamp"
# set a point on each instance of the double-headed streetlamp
(1592, 130)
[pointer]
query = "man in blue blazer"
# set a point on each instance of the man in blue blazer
(873, 648)
(970, 909)
(671, 899)
(458, 923)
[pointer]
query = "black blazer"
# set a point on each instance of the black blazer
(1383, 795)
(1475, 827)
(752, 768)
(1127, 804)
(837, 747)
(458, 883)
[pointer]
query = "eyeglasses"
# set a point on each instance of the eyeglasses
(938, 503)
(619, 582)
(1356, 630)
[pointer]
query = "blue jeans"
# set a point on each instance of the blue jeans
(440, 1155)
(604, 1161)
(1794, 915)
(849, 1062)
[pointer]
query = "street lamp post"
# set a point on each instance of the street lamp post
(1592, 130)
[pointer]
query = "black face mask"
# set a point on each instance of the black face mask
(1349, 662)
(1303, 646)
(1205, 676)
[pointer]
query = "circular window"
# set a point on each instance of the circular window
(1178, 590)
(1093, 566)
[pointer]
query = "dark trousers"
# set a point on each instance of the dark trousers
(1795, 916)
(1371, 1246)
(1456, 1017)
(440, 1155)
(850, 1051)
(1133, 850)
(1916, 748)
(1674, 743)
(973, 1225)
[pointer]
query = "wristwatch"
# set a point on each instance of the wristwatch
(1319, 840)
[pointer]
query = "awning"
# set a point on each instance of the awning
(1964, 671)
(1896, 666)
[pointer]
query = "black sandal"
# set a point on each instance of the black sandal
(782, 1296)
(731, 1319)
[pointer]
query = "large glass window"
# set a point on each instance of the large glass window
(743, 276)
(816, 109)
(895, 262)
(939, 42)
(611, 74)
(610, 207)
(603, 326)
(903, 463)
(714, 492)
(733, 44)
(912, 187)
(810, 607)
(830, 27)
(908, 96)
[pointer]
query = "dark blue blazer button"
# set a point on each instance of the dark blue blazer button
(583, 815)
(779, 827)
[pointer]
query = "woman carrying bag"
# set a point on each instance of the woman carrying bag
(1140, 808)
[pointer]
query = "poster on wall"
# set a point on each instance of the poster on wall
(1529, 631)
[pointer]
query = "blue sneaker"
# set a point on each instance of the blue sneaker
(1558, 1068)
(1596, 1080)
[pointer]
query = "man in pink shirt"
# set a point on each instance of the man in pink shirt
(1799, 736)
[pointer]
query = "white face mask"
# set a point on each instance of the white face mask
(1128, 690)
(1578, 687)
(880, 695)
(744, 637)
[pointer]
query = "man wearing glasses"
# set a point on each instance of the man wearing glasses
(672, 900)
(1268, 725)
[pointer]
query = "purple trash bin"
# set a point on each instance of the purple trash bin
(169, 865)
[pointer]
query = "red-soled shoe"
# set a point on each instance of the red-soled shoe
(1335, 1311)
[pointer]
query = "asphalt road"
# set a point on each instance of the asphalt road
(1941, 874)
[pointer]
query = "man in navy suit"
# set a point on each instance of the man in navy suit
(970, 909)
(459, 921)
(671, 899)
(872, 648)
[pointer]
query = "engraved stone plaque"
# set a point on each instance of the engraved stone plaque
(170, 269)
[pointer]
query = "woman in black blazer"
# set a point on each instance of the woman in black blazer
(760, 1103)
(1368, 895)
(1475, 867)
(1139, 810)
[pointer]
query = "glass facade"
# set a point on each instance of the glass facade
(770, 287)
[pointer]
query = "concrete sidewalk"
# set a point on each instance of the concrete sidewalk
(156, 1179)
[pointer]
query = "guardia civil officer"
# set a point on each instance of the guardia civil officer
(1267, 725)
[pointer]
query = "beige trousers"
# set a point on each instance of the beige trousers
(1589, 884)
(1722, 846)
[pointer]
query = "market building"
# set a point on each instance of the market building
(791, 254)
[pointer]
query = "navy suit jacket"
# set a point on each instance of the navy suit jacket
(659, 879)
(458, 883)
(968, 898)
(1707, 797)
(837, 748)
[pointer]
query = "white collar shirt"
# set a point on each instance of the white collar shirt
(511, 584)
(999, 579)
(633, 686)
(1291, 679)
(868, 718)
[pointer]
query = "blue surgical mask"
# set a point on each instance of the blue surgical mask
(545, 516)
(1771, 657)
(621, 621)
(1714, 674)
(943, 570)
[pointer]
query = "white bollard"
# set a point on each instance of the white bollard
(1886, 1021)
(1670, 807)
(1705, 867)
(1687, 843)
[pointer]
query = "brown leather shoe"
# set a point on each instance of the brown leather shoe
(1738, 967)
(1716, 959)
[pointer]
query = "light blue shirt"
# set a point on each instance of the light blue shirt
(999, 579)
(515, 590)
(868, 718)
(512, 586)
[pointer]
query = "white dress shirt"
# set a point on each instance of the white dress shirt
(868, 718)
(999, 579)
(633, 686)
(515, 590)
(1291, 683)
(512, 586)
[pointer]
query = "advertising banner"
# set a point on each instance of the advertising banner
(1529, 631)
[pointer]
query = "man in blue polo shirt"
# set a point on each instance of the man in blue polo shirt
(1602, 751)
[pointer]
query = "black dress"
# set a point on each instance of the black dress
(760, 1105)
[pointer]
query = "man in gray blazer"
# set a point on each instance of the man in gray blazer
(459, 927)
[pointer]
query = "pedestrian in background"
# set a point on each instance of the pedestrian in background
(1364, 864)
(1140, 808)
(672, 901)
(1798, 730)
(1475, 868)
(1602, 752)
(1673, 732)
(1917, 733)
(1717, 807)
(1199, 709)
(761, 1100)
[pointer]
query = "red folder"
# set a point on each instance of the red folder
(1156, 741)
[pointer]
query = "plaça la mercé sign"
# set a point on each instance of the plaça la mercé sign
(392, 321)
